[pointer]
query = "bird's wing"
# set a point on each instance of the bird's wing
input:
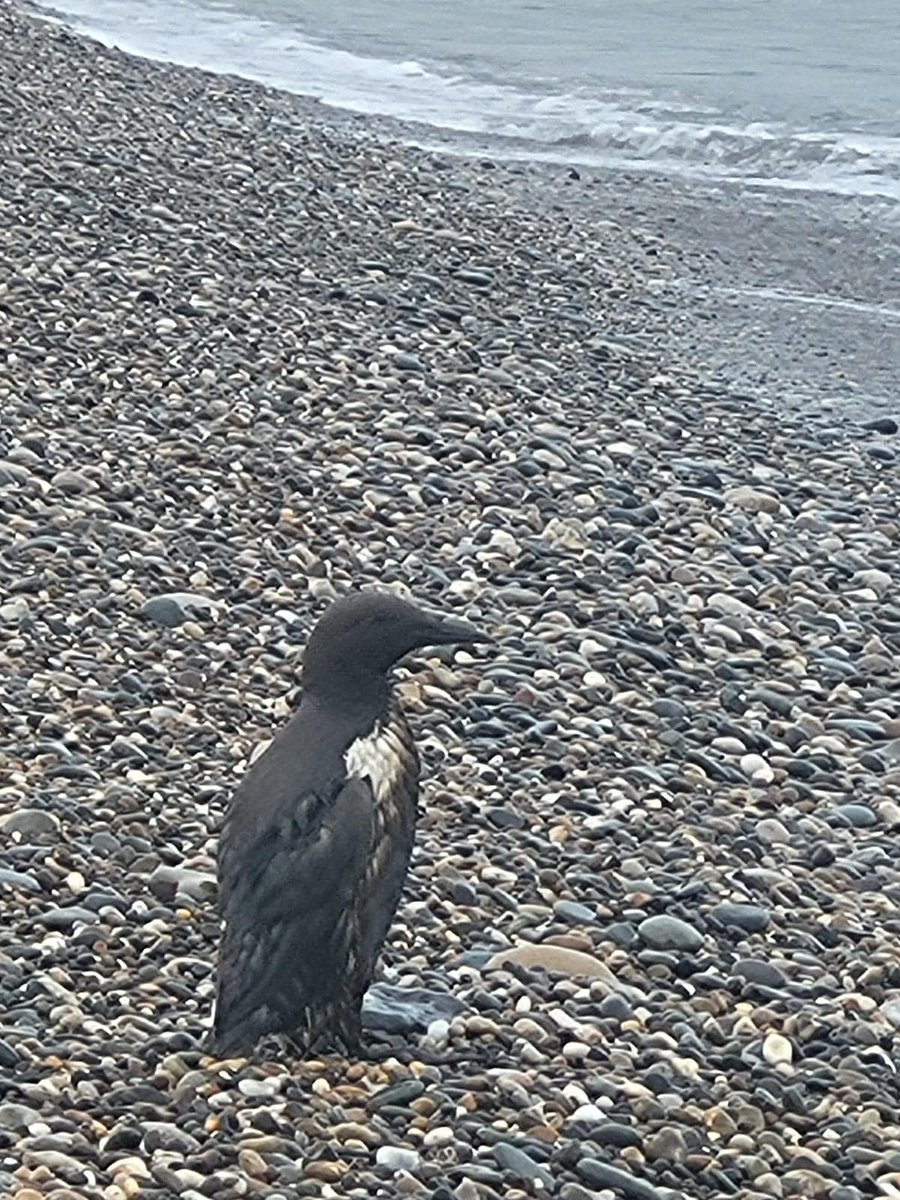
(286, 886)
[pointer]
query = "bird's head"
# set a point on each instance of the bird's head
(361, 636)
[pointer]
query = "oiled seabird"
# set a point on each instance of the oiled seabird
(317, 840)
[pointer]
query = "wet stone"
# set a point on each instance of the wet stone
(669, 933)
(393, 1009)
(520, 1164)
(762, 973)
(858, 816)
(753, 918)
(31, 823)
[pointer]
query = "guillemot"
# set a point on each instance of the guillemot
(317, 839)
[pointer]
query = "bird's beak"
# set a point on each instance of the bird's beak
(446, 631)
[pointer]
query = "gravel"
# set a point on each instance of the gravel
(251, 357)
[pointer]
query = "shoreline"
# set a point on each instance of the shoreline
(251, 360)
(751, 312)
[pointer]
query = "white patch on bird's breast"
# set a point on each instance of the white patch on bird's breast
(380, 757)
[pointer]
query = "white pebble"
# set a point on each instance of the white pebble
(756, 768)
(777, 1050)
(396, 1158)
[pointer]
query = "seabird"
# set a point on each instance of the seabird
(317, 839)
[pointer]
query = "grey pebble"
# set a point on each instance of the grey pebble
(393, 1009)
(753, 918)
(174, 608)
(756, 971)
(603, 1175)
(511, 1158)
(669, 933)
(31, 822)
(859, 816)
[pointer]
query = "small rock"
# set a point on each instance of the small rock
(17, 1116)
(777, 1050)
(30, 822)
(65, 918)
(510, 1158)
(669, 933)
(757, 769)
(562, 961)
(174, 608)
(771, 831)
(762, 973)
(406, 1010)
(668, 1143)
(752, 500)
(601, 1175)
(397, 1158)
(860, 816)
(750, 917)
(167, 882)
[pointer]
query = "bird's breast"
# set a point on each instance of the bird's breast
(385, 757)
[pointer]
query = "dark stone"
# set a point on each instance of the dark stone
(601, 1175)
(391, 1009)
(751, 917)
(516, 1161)
(505, 818)
(762, 973)
(886, 425)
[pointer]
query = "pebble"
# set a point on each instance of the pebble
(521, 1165)
(756, 769)
(31, 823)
(396, 1158)
(777, 1050)
(860, 816)
(669, 933)
(753, 918)
(603, 1175)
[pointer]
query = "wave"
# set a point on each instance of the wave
(621, 128)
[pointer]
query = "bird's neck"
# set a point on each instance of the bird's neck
(359, 702)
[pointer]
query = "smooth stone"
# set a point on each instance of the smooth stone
(14, 610)
(860, 816)
(167, 882)
(571, 910)
(751, 917)
(669, 933)
(17, 1116)
(772, 831)
(777, 1050)
(174, 608)
(30, 822)
(762, 973)
(505, 818)
(510, 1158)
(757, 769)
(562, 961)
(667, 1143)
(397, 1158)
(18, 879)
(885, 425)
(602, 1175)
(391, 1009)
(9, 1055)
(65, 918)
(752, 500)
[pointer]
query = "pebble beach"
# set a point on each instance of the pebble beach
(252, 356)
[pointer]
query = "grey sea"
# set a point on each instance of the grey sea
(796, 103)
(793, 93)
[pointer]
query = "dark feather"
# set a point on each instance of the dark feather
(309, 884)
